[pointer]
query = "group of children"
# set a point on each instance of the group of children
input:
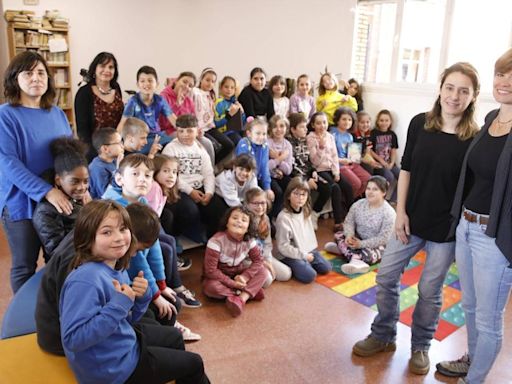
(154, 179)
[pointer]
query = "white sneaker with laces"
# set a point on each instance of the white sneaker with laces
(355, 266)
(187, 334)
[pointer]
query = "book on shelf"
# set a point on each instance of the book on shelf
(60, 77)
(62, 98)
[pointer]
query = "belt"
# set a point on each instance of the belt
(476, 218)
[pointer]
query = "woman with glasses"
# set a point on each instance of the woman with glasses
(29, 122)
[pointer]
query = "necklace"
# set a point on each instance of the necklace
(103, 91)
(503, 122)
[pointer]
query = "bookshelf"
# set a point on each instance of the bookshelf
(23, 36)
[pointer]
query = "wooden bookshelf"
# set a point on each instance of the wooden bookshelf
(37, 39)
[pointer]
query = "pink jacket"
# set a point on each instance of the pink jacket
(186, 107)
(323, 158)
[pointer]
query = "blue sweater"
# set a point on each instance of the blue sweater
(25, 137)
(99, 341)
(100, 175)
(150, 260)
(261, 155)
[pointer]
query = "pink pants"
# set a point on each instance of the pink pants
(217, 290)
(356, 176)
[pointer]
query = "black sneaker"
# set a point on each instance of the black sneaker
(184, 263)
(188, 299)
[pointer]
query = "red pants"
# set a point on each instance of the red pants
(217, 290)
(356, 176)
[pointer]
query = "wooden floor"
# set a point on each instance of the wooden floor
(298, 334)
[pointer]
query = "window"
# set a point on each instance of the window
(412, 41)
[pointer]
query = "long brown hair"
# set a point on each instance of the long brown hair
(26, 61)
(467, 126)
(87, 223)
(302, 185)
(262, 224)
(173, 194)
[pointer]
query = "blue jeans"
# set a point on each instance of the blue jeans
(24, 244)
(304, 271)
(426, 313)
(486, 279)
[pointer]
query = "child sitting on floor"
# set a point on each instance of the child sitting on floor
(256, 201)
(135, 136)
(226, 274)
(71, 176)
(295, 236)
(367, 229)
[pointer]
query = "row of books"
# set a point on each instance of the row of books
(62, 99)
(28, 19)
(58, 58)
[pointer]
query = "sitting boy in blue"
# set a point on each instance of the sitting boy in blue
(148, 106)
(108, 144)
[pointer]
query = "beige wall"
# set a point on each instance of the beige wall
(285, 37)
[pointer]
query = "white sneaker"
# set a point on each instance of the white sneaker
(314, 219)
(331, 247)
(187, 334)
(355, 266)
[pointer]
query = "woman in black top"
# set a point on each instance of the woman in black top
(484, 234)
(99, 103)
(257, 100)
(436, 143)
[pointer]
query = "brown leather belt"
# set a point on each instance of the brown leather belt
(475, 218)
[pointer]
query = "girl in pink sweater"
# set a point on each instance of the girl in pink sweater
(324, 157)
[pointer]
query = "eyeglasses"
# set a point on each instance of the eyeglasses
(300, 193)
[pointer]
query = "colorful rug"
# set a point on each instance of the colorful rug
(362, 288)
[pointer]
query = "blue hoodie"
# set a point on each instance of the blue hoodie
(261, 155)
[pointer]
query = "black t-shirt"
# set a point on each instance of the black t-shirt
(383, 143)
(434, 160)
(482, 162)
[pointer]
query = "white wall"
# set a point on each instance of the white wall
(285, 37)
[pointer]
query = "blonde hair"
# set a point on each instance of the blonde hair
(273, 123)
(134, 126)
(321, 88)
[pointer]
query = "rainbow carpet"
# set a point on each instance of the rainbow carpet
(362, 288)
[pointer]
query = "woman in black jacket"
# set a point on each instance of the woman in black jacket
(99, 103)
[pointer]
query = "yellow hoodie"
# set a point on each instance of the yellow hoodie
(330, 101)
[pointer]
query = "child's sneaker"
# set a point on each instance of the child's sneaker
(332, 247)
(187, 334)
(260, 295)
(183, 263)
(235, 305)
(188, 299)
(355, 266)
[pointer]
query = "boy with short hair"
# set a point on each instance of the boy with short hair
(135, 137)
(196, 181)
(148, 106)
(134, 178)
(109, 145)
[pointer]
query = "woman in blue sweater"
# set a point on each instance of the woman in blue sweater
(29, 122)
